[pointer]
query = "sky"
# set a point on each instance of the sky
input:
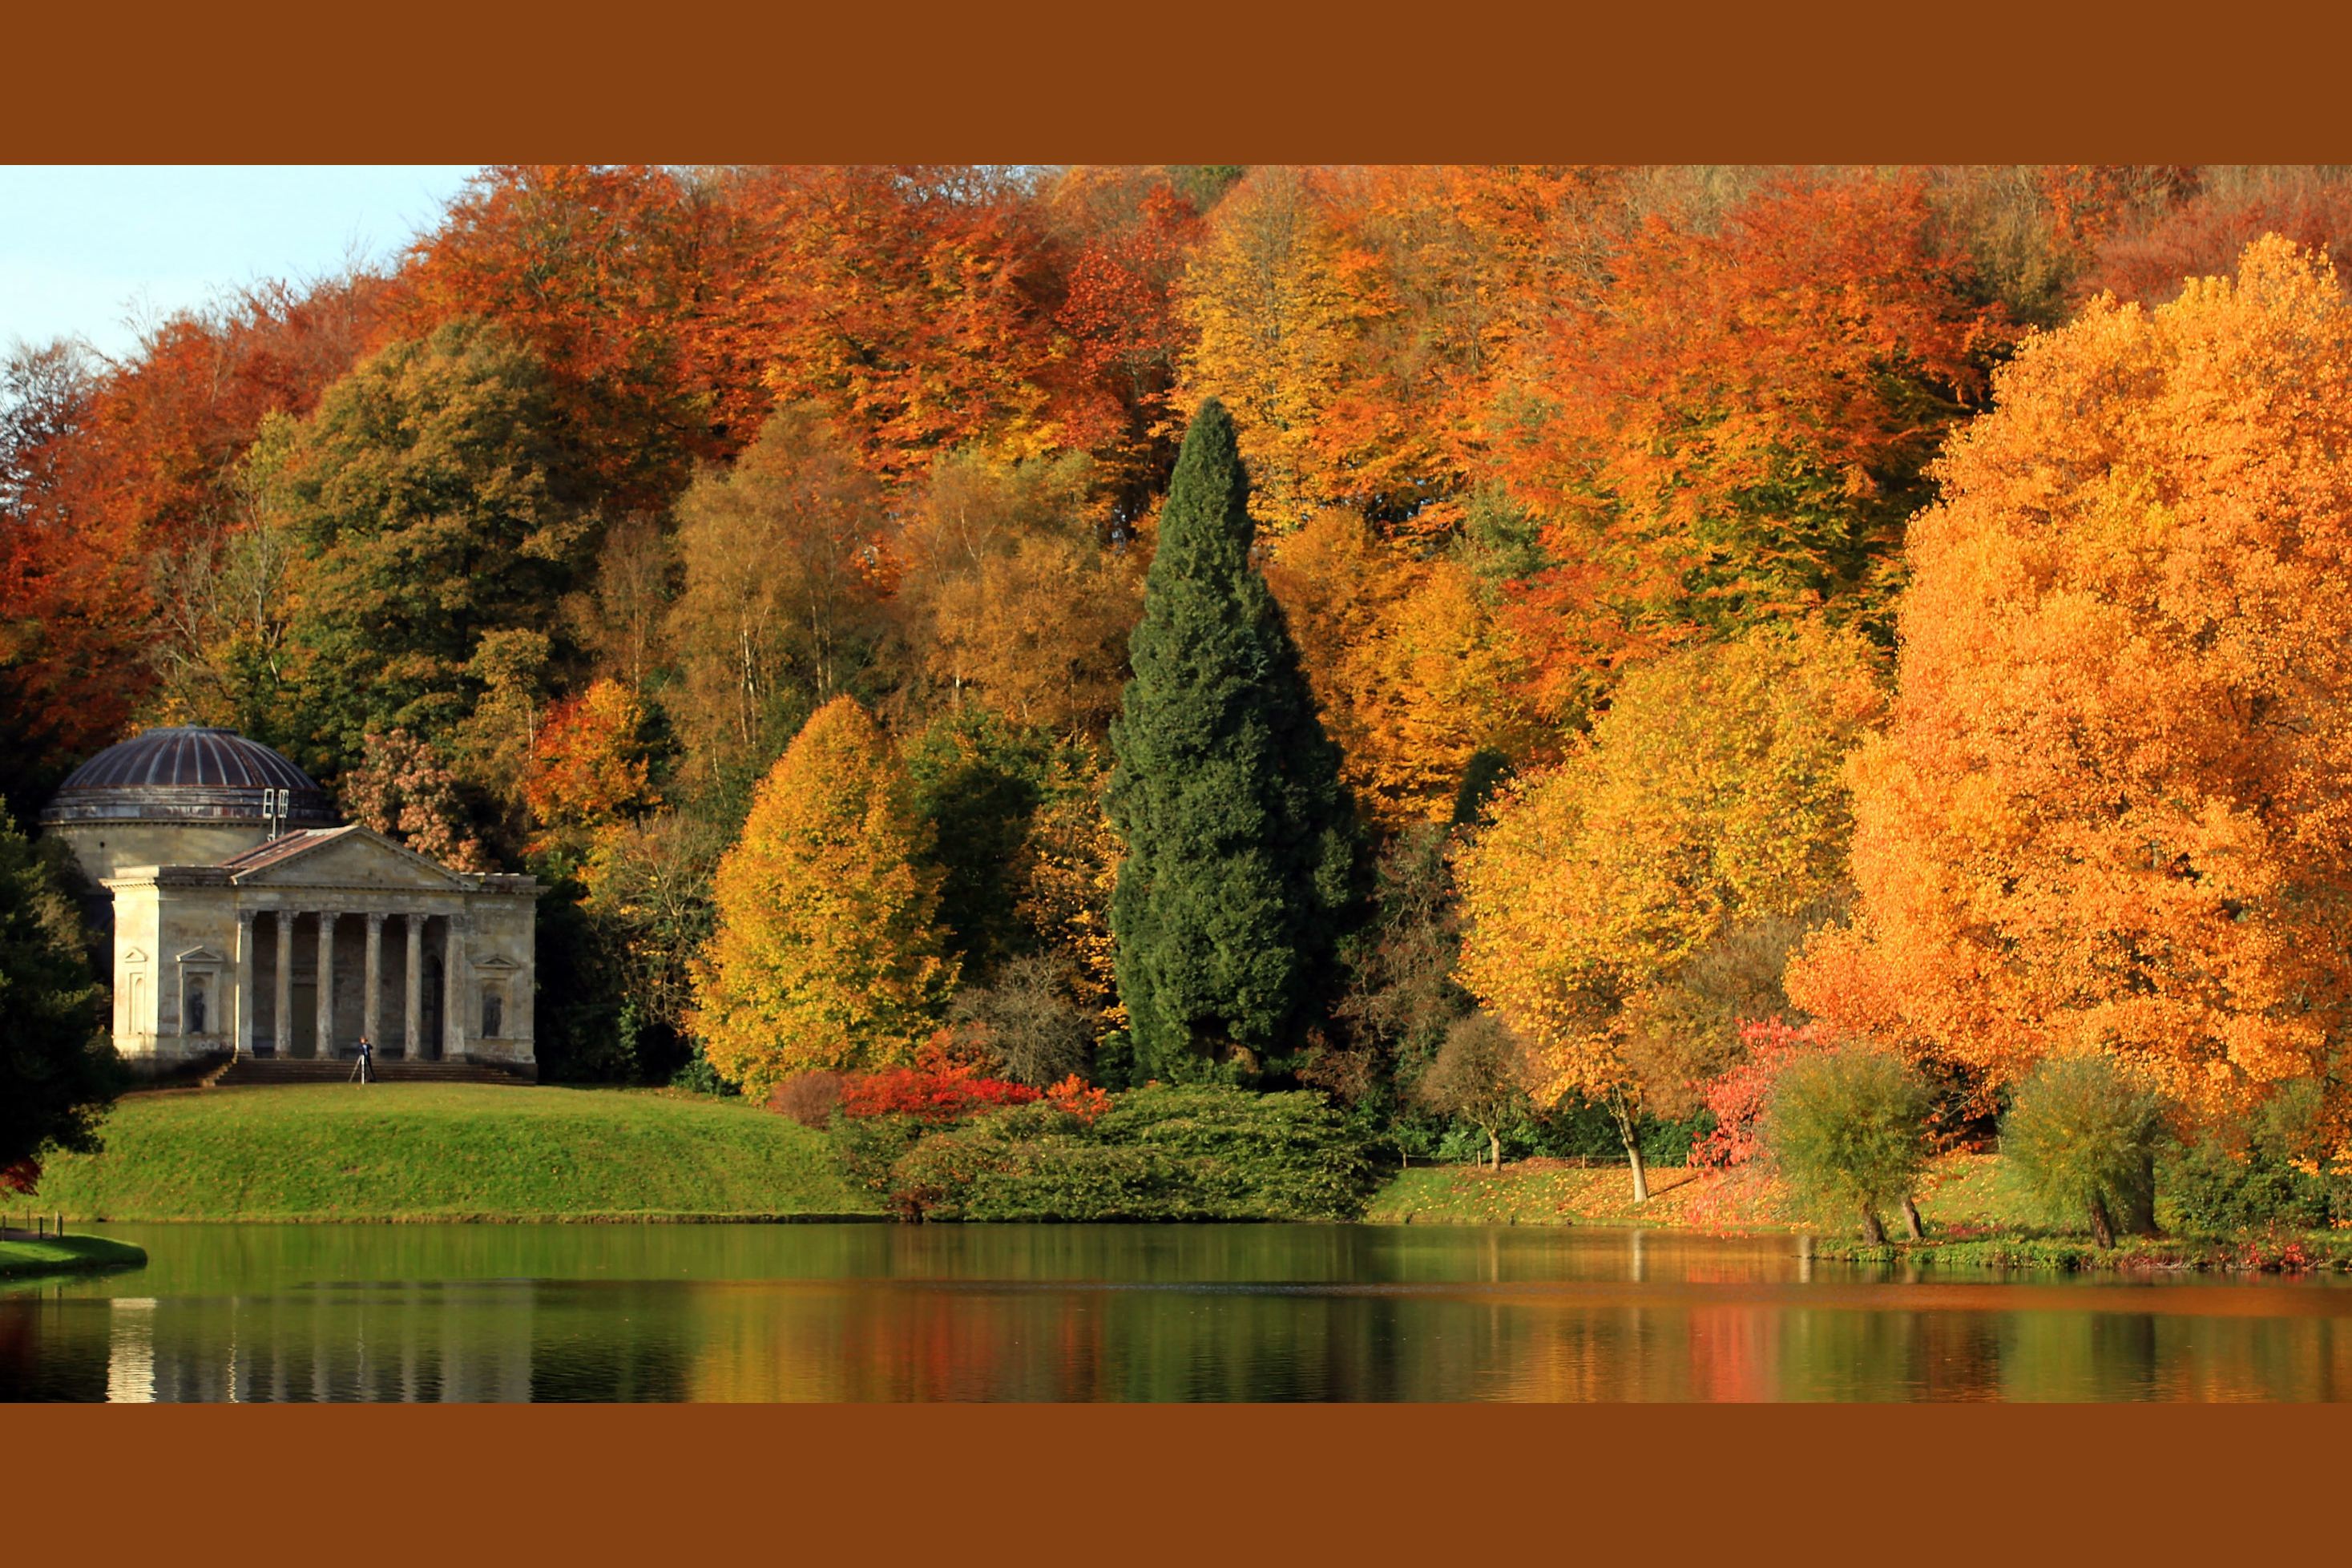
(86, 251)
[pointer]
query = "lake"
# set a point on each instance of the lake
(775, 1313)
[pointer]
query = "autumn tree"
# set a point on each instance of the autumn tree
(403, 790)
(57, 1071)
(646, 901)
(2109, 813)
(1413, 670)
(826, 954)
(912, 305)
(614, 275)
(1128, 234)
(1012, 595)
(1711, 794)
(1241, 845)
(1272, 298)
(1735, 429)
(1479, 1075)
(439, 517)
(1064, 875)
(589, 770)
(782, 589)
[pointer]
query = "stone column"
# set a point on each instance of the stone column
(412, 1018)
(326, 1046)
(453, 992)
(282, 1029)
(372, 1009)
(241, 1008)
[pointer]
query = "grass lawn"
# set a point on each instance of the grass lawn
(1973, 1219)
(1961, 1190)
(67, 1254)
(434, 1151)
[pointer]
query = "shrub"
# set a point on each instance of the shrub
(1195, 1153)
(808, 1098)
(867, 1147)
(2081, 1138)
(1038, 1030)
(2269, 1173)
(929, 1095)
(1738, 1097)
(1844, 1130)
(698, 1077)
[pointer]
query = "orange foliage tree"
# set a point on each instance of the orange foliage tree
(1408, 664)
(1735, 429)
(2114, 809)
(589, 770)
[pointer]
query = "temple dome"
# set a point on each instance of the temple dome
(188, 773)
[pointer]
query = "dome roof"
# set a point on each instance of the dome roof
(187, 772)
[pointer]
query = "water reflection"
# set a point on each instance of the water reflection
(1077, 1312)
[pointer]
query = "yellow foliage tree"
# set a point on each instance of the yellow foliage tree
(1275, 298)
(1711, 793)
(1412, 668)
(826, 953)
(2113, 811)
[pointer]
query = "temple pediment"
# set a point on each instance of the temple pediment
(344, 857)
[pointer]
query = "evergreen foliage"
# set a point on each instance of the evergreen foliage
(1241, 845)
(57, 1076)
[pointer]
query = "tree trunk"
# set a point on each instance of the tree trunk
(1871, 1230)
(1624, 1118)
(1494, 1150)
(2102, 1231)
(1911, 1222)
(2139, 1205)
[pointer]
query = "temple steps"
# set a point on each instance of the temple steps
(250, 1073)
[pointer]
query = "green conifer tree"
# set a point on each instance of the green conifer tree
(57, 1074)
(1240, 863)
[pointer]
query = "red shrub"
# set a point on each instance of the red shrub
(929, 1094)
(1736, 1097)
(1079, 1098)
(21, 1178)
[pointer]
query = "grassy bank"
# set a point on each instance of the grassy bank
(67, 1255)
(448, 1152)
(1973, 1220)
(1534, 1192)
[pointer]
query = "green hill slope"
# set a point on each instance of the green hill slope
(400, 1151)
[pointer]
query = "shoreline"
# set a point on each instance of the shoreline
(34, 1258)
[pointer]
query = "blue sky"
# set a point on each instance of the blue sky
(84, 249)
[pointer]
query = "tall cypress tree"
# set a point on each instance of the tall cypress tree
(1240, 840)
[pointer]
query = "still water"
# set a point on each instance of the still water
(1133, 1313)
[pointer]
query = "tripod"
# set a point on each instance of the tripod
(363, 1070)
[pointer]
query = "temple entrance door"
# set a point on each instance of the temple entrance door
(306, 1016)
(430, 1040)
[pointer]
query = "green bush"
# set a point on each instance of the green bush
(867, 1147)
(2259, 1176)
(1196, 1151)
(1844, 1129)
(2080, 1139)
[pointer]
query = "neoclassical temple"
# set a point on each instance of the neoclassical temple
(244, 918)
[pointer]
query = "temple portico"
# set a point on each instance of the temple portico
(304, 940)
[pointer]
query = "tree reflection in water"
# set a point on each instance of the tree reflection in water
(1099, 1313)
